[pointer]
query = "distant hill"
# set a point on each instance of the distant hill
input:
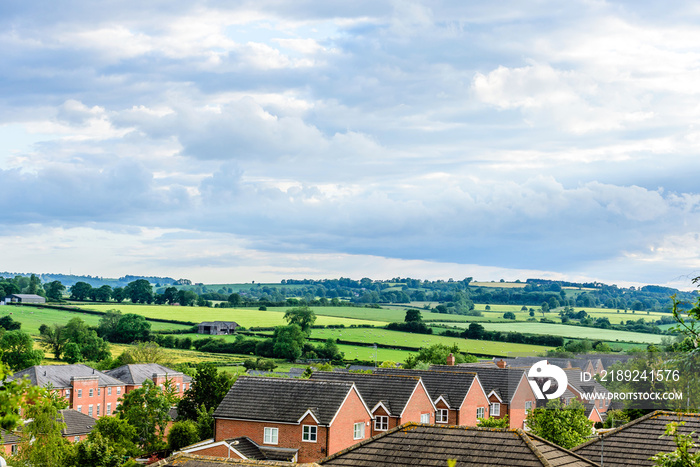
(95, 281)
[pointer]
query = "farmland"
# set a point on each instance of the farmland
(248, 317)
(575, 332)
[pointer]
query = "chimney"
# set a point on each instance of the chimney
(501, 363)
(451, 360)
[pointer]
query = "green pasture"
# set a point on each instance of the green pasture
(384, 315)
(32, 318)
(564, 330)
(248, 317)
(386, 337)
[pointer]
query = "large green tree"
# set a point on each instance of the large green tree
(80, 291)
(288, 341)
(18, 350)
(208, 388)
(147, 410)
(139, 291)
(565, 426)
(304, 317)
(54, 290)
(131, 328)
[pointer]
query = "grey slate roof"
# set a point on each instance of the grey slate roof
(252, 450)
(137, 373)
(77, 423)
(574, 377)
(415, 444)
(190, 460)
(453, 386)
(503, 381)
(634, 443)
(59, 375)
(392, 391)
(282, 399)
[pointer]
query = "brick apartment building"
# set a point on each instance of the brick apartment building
(458, 396)
(133, 376)
(86, 390)
(393, 400)
(315, 418)
(78, 426)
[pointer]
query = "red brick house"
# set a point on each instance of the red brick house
(133, 376)
(393, 400)
(458, 396)
(507, 389)
(316, 418)
(86, 390)
(78, 426)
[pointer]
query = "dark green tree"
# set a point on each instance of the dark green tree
(182, 433)
(118, 294)
(566, 426)
(147, 410)
(413, 316)
(9, 324)
(186, 297)
(509, 315)
(80, 291)
(288, 341)
(304, 317)
(53, 339)
(131, 328)
(170, 295)
(54, 290)
(139, 291)
(118, 433)
(107, 327)
(208, 388)
(103, 294)
(18, 350)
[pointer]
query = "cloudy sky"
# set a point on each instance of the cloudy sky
(237, 141)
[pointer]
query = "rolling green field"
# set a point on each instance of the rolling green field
(31, 318)
(575, 332)
(386, 337)
(248, 317)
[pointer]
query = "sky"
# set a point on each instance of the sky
(265, 140)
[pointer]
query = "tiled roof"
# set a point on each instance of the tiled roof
(392, 391)
(77, 423)
(574, 377)
(137, 373)
(59, 375)
(415, 444)
(634, 443)
(282, 400)
(191, 460)
(247, 448)
(453, 386)
(503, 381)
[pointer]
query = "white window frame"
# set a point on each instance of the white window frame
(425, 418)
(80, 393)
(80, 409)
(99, 391)
(358, 430)
(90, 392)
(98, 410)
(442, 416)
(119, 390)
(270, 435)
(381, 423)
(495, 409)
(90, 410)
(109, 408)
(528, 405)
(109, 391)
(480, 412)
(309, 433)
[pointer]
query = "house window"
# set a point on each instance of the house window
(99, 391)
(119, 390)
(425, 418)
(309, 433)
(98, 410)
(90, 393)
(441, 416)
(381, 423)
(480, 412)
(90, 410)
(109, 409)
(80, 409)
(270, 435)
(109, 391)
(67, 393)
(80, 393)
(178, 387)
(76, 439)
(14, 449)
(495, 409)
(358, 430)
(528, 405)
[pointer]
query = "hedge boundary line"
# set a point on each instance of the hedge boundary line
(100, 313)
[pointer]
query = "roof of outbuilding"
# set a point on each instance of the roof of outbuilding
(414, 444)
(191, 460)
(137, 373)
(77, 423)
(635, 442)
(59, 376)
(502, 381)
(452, 386)
(392, 391)
(283, 400)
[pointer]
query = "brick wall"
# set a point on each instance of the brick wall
(341, 432)
(474, 399)
(101, 396)
(517, 412)
(452, 414)
(418, 404)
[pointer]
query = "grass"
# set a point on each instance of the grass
(32, 318)
(576, 332)
(248, 317)
(386, 337)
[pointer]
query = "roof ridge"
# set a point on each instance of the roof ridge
(293, 380)
(578, 456)
(528, 442)
(620, 428)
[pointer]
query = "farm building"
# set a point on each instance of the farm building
(218, 328)
(25, 298)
